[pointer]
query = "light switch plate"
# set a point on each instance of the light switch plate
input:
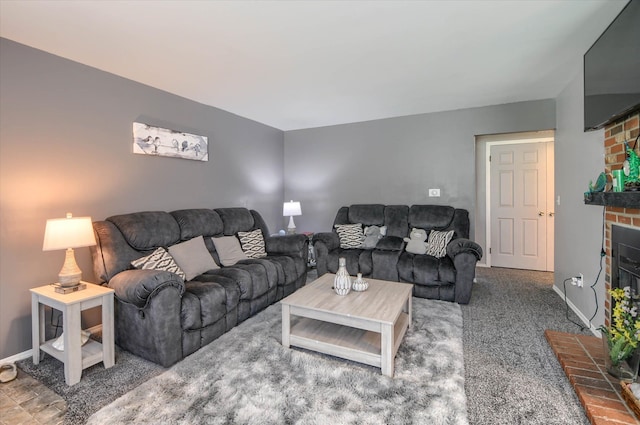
(434, 193)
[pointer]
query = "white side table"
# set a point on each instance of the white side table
(75, 356)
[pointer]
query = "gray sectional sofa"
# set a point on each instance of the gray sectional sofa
(162, 317)
(447, 278)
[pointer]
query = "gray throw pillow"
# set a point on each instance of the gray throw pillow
(159, 259)
(193, 257)
(229, 250)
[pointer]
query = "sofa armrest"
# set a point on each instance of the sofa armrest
(323, 244)
(461, 245)
(288, 244)
(329, 239)
(137, 287)
(390, 243)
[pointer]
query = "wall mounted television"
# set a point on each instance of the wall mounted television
(612, 71)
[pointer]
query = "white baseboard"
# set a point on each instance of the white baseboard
(578, 313)
(26, 354)
(16, 357)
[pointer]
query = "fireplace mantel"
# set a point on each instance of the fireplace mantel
(613, 199)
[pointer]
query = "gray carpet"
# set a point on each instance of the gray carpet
(247, 377)
(98, 386)
(511, 373)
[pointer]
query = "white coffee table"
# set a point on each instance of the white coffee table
(366, 327)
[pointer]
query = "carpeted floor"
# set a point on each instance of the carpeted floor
(247, 377)
(511, 373)
(98, 386)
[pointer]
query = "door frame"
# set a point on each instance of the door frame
(487, 188)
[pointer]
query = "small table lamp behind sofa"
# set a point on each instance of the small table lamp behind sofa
(290, 209)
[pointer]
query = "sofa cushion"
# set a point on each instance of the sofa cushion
(198, 222)
(437, 244)
(431, 217)
(367, 214)
(193, 257)
(351, 235)
(358, 261)
(252, 243)
(236, 220)
(426, 269)
(396, 218)
(390, 243)
(229, 250)
(159, 259)
(147, 230)
(203, 304)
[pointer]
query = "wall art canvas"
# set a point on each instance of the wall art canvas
(148, 140)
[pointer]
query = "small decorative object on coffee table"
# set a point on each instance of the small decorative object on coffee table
(359, 284)
(620, 341)
(342, 281)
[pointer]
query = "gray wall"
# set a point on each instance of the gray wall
(578, 230)
(66, 146)
(396, 160)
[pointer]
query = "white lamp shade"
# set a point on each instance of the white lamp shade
(291, 208)
(71, 232)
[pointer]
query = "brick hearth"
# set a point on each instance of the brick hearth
(582, 358)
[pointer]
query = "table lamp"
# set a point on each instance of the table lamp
(68, 233)
(290, 209)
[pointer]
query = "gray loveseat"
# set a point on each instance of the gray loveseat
(162, 317)
(448, 278)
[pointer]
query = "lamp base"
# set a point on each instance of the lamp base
(291, 229)
(70, 274)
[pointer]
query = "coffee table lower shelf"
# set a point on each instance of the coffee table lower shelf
(346, 342)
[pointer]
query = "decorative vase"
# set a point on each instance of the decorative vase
(360, 284)
(342, 281)
(625, 370)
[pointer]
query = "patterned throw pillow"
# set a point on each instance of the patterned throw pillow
(351, 235)
(252, 243)
(159, 259)
(437, 245)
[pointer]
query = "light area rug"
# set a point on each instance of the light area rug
(247, 377)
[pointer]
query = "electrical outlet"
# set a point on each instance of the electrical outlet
(580, 280)
(434, 193)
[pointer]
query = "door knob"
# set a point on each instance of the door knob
(551, 214)
(540, 213)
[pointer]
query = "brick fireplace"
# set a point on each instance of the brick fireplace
(582, 356)
(614, 150)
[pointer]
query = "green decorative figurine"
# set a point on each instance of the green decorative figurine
(631, 170)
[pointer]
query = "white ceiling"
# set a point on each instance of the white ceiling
(302, 64)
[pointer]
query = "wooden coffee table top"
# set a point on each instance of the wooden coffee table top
(382, 302)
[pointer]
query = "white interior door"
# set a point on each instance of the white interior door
(519, 197)
(550, 205)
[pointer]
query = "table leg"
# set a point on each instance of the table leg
(37, 328)
(286, 325)
(409, 310)
(71, 323)
(386, 350)
(108, 355)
